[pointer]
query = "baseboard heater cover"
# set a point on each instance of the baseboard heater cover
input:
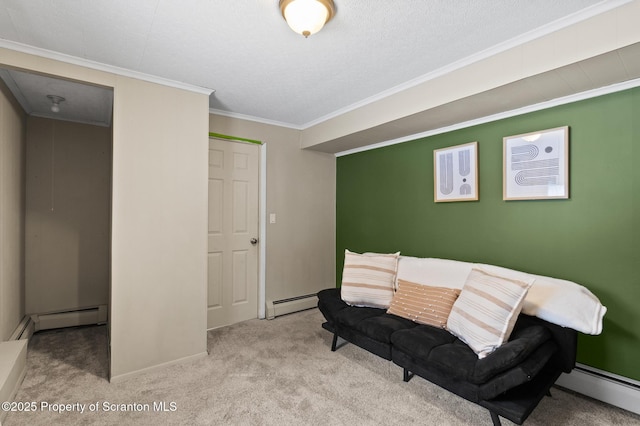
(287, 306)
(604, 386)
(13, 362)
(24, 330)
(94, 315)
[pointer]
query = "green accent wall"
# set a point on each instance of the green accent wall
(385, 204)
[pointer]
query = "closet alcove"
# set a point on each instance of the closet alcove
(66, 156)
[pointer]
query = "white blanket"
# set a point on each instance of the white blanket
(565, 303)
(434, 272)
(561, 302)
(558, 301)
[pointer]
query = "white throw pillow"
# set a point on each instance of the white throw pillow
(368, 279)
(484, 314)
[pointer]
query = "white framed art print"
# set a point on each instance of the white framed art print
(536, 165)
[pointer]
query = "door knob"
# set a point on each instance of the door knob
(253, 241)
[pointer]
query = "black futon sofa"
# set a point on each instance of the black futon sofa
(510, 382)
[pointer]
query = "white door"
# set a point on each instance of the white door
(233, 232)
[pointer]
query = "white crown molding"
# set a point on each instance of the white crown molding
(618, 87)
(74, 60)
(253, 118)
(567, 21)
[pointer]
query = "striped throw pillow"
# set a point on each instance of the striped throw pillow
(484, 314)
(423, 304)
(367, 279)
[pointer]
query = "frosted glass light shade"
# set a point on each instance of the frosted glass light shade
(307, 17)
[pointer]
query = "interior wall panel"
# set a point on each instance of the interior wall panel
(12, 193)
(68, 215)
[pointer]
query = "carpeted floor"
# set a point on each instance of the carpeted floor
(279, 372)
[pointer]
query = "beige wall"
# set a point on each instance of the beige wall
(159, 216)
(12, 189)
(301, 184)
(159, 245)
(67, 215)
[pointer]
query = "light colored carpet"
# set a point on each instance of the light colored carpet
(279, 372)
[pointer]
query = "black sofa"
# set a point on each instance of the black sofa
(510, 382)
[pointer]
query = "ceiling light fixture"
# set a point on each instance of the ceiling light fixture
(55, 102)
(307, 17)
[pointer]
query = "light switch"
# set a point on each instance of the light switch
(272, 218)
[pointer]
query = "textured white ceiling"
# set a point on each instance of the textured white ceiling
(258, 67)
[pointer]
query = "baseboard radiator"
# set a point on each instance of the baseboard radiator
(602, 385)
(13, 362)
(24, 330)
(88, 316)
(294, 304)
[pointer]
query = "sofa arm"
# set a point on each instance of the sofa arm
(521, 345)
(330, 303)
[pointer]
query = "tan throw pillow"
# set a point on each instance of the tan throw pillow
(367, 279)
(423, 304)
(486, 310)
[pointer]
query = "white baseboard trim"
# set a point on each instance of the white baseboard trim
(607, 387)
(122, 377)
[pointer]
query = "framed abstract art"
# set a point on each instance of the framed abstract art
(456, 173)
(536, 165)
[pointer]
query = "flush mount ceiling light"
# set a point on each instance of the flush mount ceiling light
(307, 17)
(55, 102)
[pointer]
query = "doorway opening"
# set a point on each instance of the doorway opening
(64, 153)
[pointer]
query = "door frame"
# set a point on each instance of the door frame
(262, 230)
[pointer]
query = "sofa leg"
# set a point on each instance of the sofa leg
(495, 419)
(407, 375)
(335, 342)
